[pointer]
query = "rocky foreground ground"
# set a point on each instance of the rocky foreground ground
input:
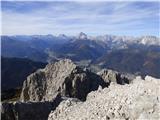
(64, 91)
(139, 100)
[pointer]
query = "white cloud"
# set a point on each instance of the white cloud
(73, 17)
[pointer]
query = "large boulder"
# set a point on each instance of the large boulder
(138, 100)
(113, 76)
(64, 78)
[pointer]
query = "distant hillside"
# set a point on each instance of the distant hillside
(45, 48)
(138, 55)
(21, 49)
(82, 50)
(15, 70)
(142, 62)
(34, 47)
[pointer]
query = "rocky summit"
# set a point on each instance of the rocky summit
(65, 91)
(138, 100)
(64, 78)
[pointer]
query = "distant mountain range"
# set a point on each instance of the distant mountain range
(136, 55)
(135, 61)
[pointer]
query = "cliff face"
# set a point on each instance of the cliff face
(64, 78)
(138, 100)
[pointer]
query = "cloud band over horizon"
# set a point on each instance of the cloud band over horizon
(93, 18)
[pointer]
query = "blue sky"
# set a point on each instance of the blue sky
(93, 18)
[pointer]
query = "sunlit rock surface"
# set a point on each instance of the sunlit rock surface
(138, 100)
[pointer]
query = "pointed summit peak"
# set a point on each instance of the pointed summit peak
(82, 36)
(62, 36)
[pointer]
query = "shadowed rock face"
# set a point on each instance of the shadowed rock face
(63, 77)
(28, 110)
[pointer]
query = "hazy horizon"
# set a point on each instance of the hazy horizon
(74, 35)
(71, 18)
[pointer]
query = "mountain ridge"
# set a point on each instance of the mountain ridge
(88, 51)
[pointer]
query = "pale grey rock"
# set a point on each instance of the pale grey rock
(113, 76)
(63, 77)
(138, 100)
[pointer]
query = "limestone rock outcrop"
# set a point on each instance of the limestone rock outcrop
(113, 76)
(138, 100)
(64, 78)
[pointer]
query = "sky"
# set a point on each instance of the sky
(70, 18)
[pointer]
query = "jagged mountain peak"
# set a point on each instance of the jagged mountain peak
(63, 36)
(65, 63)
(82, 36)
(62, 77)
(150, 40)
